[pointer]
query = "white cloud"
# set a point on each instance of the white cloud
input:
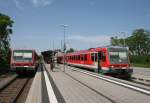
(36, 3)
(41, 3)
(17, 4)
(98, 40)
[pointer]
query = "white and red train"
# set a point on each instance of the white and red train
(109, 60)
(24, 60)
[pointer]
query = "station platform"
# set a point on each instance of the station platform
(72, 90)
(35, 93)
(69, 86)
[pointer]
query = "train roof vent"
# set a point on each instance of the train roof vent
(91, 48)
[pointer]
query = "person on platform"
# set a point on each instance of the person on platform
(52, 64)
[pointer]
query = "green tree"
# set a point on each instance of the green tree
(5, 31)
(140, 42)
(115, 41)
(70, 50)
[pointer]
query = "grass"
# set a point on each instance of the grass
(141, 65)
(140, 61)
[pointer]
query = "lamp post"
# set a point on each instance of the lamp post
(124, 41)
(64, 47)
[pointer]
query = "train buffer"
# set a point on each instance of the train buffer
(71, 86)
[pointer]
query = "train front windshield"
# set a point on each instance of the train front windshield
(22, 56)
(118, 56)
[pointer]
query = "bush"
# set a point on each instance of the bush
(143, 61)
(4, 68)
(4, 61)
(140, 59)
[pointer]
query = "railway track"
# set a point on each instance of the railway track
(140, 81)
(12, 92)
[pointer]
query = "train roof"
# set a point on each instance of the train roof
(110, 46)
(96, 49)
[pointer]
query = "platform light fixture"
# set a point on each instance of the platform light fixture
(64, 46)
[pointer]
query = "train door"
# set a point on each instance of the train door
(94, 57)
(99, 61)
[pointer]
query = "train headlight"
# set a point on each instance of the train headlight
(112, 66)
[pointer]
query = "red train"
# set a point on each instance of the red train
(109, 60)
(24, 60)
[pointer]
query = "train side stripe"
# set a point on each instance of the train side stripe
(88, 66)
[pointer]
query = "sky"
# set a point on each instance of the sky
(91, 23)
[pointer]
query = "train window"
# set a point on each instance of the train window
(85, 57)
(25, 56)
(103, 57)
(67, 58)
(94, 57)
(82, 57)
(78, 57)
